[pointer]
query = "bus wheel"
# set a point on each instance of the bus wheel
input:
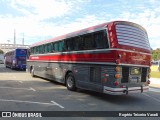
(70, 82)
(32, 72)
(12, 67)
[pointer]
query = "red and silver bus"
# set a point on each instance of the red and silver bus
(112, 58)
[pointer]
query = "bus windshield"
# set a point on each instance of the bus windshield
(21, 52)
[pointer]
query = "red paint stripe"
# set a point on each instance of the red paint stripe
(96, 57)
(77, 57)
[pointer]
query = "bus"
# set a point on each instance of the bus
(16, 59)
(155, 66)
(112, 58)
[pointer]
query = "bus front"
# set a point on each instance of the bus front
(133, 58)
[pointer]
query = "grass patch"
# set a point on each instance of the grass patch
(155, 74)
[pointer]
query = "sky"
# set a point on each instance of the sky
(37, 20)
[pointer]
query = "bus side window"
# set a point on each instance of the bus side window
(55, 47)
(58, 46)
(41, 49)
(46, 48)
(61, 46)
(78, 43)
(100, 39)
(50, 47)
(88, 42)
(70, 44)
(36, 49)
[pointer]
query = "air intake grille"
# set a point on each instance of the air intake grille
(125, 74)
(144, 75)
(132, 36)
(95, 74)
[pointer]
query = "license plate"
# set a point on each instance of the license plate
(134, 79)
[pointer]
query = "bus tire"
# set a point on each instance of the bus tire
(32, 72)
(12, 67)
(70, 82)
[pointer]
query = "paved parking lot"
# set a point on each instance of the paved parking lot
(20, 92)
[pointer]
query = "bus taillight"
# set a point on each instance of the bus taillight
(117, 69)
(149, 70)
(149, 76)
(116, 83)
(117, 76)
(118, 61)
(148, 82)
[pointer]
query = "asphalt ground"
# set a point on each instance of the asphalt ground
(21, 92)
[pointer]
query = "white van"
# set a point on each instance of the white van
(155, 66)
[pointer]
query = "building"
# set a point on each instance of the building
(8, 47)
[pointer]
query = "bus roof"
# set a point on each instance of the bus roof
(15, 49)
(81, 32)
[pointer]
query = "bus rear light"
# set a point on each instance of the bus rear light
(149, 76)
(149, 70)
(111, 39)
(122, 86)
(117, 69)
(110, 33)
(117, 76)
(148, 82)
(150, 64)
(116, 83)
(105, 75)
(118, 61)
(104, 80)
(119, 56)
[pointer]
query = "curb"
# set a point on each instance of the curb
(155, 81)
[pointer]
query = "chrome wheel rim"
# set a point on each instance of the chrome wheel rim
(70, 82)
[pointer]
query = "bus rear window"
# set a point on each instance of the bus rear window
(21, 52)
(132, 36)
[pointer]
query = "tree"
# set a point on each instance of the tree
(1, 51)
(156, 54)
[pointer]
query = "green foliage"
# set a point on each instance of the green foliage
(155, 74)
(1, 51)
(156, 54)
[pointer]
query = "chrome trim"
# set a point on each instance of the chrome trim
(84, 51)
(132, 65)
(82, 62)
(120, 91)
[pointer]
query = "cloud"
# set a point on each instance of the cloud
(43, 9)
(43, 19)
(32, 16)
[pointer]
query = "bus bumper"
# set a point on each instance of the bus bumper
(21, 67)
(126, 90)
